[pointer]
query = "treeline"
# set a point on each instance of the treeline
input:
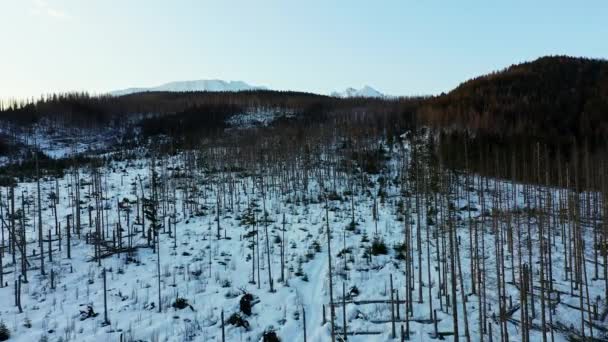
(82, 109)
(191, 116)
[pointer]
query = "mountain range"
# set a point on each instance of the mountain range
(196, 85)
(220, 85)
(366, 91)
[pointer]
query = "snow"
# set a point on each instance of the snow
(57, 141)
(211, 273)
(259, 117)
(366, 91)
(189, 86)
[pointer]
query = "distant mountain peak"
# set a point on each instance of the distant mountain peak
(193, 85)
(366, 91)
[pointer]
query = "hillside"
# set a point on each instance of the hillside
(551, 98)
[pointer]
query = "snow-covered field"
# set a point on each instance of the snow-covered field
(258, 117)
(58, 142)
(213, 271)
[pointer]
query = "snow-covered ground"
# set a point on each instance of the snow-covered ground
(60, 142)
(258, 117)
(213, 272)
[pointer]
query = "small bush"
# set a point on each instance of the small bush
(364, 237)
(379, 247)
(316, 246)
(344, 251)
(333, 196)
(246, 303)
(238, 321)
(299, 272)
(89, 312)
(351, 226)
(270, 336)
(5, 334)
(181, 303)
(400, 251)
(354, 291)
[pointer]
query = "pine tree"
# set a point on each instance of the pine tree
(151, 213)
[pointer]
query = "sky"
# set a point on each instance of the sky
(398, 47)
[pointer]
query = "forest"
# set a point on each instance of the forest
(476, 215)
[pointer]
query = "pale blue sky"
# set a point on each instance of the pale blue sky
(399, 47)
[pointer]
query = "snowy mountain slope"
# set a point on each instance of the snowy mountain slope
(197, 85)
(206, 258)
(366, 91)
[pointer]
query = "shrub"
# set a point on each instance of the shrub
(379, 247)
(270, 336)
(344, 251)
(351, 226)
(5, 334)
(238, 321)
(181, 303)
(246, 303)
(316, 246)
(400, 251)
(299, 272)
(333, 196)
(354, 291)
(89, 312)
(364, 237)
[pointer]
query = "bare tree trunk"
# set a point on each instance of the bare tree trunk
(270, 280)
(451, 232)
(283, 251)
(106, 321)
(40, 239)
(69, 237)
(304, 321)
(331, 284)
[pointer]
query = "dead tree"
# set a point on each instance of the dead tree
(40, 239)
(331, 291)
